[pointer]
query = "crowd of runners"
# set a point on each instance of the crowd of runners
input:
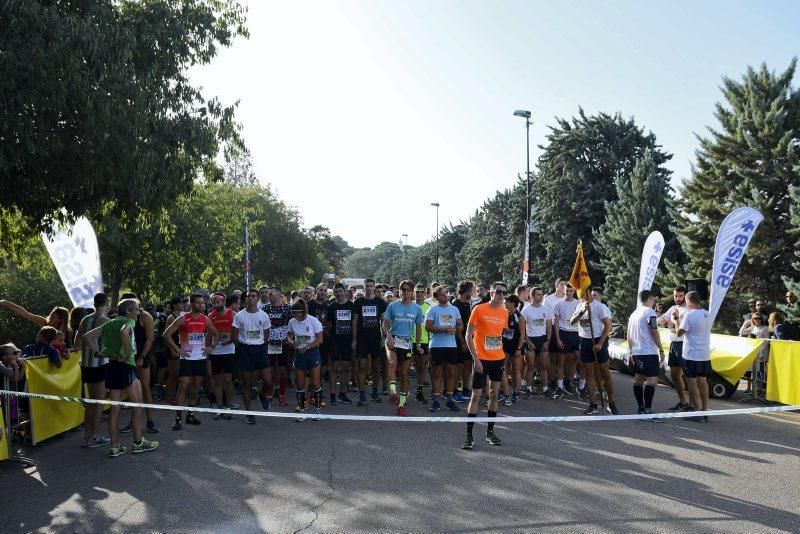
(480, 344)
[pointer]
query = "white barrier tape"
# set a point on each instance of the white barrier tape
(415, 419)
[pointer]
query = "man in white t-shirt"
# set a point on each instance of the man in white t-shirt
(250, 330)
(672, 320)
(568, 342)
(556, 362)
(594, 335)
(696, 331)
(646, 352)
(538, 328)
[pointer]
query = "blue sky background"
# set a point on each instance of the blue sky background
(393, 105)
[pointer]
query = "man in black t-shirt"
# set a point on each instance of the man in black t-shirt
(318, 307)
(464, 305)
(366, 339)
(340, 326)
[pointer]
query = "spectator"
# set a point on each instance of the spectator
(755, 327)
(11, 363)
(58, 318)
(751, 305)
(761, 307)
(791, 299)
(76, 315)
(660, 309)
(44, 346)
(776, 325)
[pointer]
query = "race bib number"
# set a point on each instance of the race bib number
(402, 343)
(252, 334)
(508, 333)
(275, 348)
(224, 337)
(585, 323)
(302, 341)
(493, 343)
(538, 322)
(369, 311)
(343, 315)
(197, 338)
(447, 321)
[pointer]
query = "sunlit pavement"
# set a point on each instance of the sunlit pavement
(737, 473)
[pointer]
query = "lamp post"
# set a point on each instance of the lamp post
(526, 253)
(436, 258)
(403, 244)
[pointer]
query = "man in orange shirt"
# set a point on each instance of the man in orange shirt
(485, 341)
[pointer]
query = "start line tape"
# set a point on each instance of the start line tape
(416, 419)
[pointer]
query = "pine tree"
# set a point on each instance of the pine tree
(641, 208)
(576, 179)
(750, 160)
(793, 282)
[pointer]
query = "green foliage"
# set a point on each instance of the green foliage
(366, 262)
(575, 180)
(640, 208)
(97, 105)
(751, 159)
(793, 282)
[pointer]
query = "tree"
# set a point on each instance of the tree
(333, 255)
(793, 282)
(239, 170)
(107, 112)
(750, 160)
(575, 180)
(641, 208)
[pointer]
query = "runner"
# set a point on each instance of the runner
(177, 304)
(464, 368)
(556, 365)
(196, 332)
(595, 350)
(646, 352)
(340, 324)
(278, 348)
(568, 342)
(444, 323)
(485, 342)
(368, 315)
(223, 365)
(538, 328)
(304, 335)
(143, 334)
(513, 341)
(117, 339)
(318, 307)
(263, 295)
(696, 331)
(93, 373)
(672, 320)
(421, 354)
(250, 330)
(400, 321)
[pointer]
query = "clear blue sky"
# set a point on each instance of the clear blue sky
(407, 103)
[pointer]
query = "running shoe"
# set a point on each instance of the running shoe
(393, 398)
(507, 402)
(457, 397)
(466, 394)
(264, 402)
(612, 408)
(654, 419)
(317, 414)
(177, 424)
(98, 441)
(421, 398)
(401, 411)
(152, 427)
(117, 451)
(282, 400)
(192, 420)
(126, 429)
(591, 410)
(250, 419)
(344, 399)
(234, 406)
(385, 390)
(583, 394)
(375, 397)
(334, 402)
(640, 411)
(362, 399)
(227, 416)
(530, 393)
(514, 398)
(468, 443)
(680, 407)
(452, 405)
(548, 394)
(564, 392)
(435, 407)
(144, 446)
(492, 439)
(501, 397)
(301, 419)
(706, 419)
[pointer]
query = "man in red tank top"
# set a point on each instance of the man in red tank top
(196, 331)
(222, 362)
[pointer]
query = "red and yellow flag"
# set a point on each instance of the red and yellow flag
(580, 274)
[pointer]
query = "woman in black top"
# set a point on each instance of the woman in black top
(513, 340)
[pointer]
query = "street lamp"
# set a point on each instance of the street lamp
(436, 261)
(403, 245)
(526, 253)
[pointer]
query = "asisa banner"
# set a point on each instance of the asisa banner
(733, 239)
(75, 254)
(651, 257)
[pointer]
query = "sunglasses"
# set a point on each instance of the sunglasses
(500, 291)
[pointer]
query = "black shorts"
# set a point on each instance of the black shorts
(223, 363)
(587, 351)
(492, 369)
(553, 348)
(423, 346)
(341, 352)
(403, 354)
(145, 362)
(369, 346)
(282, 359)
(647, 365)
(464, 356)
(193, 368)
(697, 369)
(510, 346)
(92, 375)
(538, 343)
(161, 359)
(443, 355)
(119, 375)
(252, 357)
(571, 340)
(676, 354)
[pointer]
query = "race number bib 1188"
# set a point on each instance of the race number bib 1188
(402, 343)
(275, 348)
(493, 342)
(197, 338)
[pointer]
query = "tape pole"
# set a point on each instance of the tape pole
(417, 419)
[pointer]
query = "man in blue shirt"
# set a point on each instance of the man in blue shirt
(444, 323)
(402, 319)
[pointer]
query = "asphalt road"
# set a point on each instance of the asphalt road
(735, 474)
